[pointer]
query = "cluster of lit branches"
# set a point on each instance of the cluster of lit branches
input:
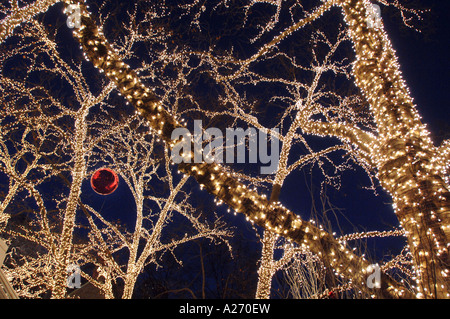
(274, 218)
(50, 135)
(342, 119)
(47, 139)
(380, 129)
(131, 152)
(380, 234)
(397, 132)
(16, 15)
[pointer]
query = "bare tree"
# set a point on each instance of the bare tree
(131, 152)
(53, 135)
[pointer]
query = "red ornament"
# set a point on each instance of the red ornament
(104, 181)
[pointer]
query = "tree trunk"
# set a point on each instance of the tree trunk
(266, 270)
(78, 174)
(405, 156)
(23, 14)
(130, 282)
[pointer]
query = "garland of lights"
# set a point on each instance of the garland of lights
(272, 216)
(409, 167)
(370, 234)
(407, 161)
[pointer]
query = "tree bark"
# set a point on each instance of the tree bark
(78, 174)
(405, 155)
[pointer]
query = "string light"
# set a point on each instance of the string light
(19, 15)
(407, 161)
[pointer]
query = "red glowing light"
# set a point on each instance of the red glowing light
(104, 181)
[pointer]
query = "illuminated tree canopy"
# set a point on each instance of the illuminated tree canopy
(307, 70)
